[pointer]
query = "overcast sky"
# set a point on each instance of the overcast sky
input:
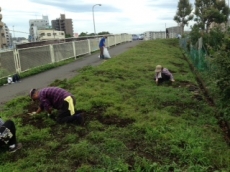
(115, 16)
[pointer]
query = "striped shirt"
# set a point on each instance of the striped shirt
(52, 97)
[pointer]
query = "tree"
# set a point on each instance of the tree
(195, 34)
(184, 13)
(209, 11)
(83, 34)
(68, 36)
(103, 33)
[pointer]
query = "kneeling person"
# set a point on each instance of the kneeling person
(162, 74)
(8, 135)
(57, 98)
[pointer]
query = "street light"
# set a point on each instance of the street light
(93, 17)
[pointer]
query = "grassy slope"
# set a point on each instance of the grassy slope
(132, 124)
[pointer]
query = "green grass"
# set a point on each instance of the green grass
(132, 124)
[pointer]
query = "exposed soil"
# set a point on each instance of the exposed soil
(97, 114)
(94, 114)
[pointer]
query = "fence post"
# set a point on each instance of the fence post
(17, 61)
(89, 46)
(74, 50)
(108, 41)
(52, 54)
(115, 40)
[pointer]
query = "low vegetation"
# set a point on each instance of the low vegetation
(131, 124)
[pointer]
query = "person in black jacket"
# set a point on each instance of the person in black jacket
(8, 135)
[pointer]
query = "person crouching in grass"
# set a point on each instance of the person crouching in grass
(163, 74)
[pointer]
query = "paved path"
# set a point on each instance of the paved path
(67, 71)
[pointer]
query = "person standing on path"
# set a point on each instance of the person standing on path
(57, 98)
(101, 46)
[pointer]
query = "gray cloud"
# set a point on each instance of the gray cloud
(75, 7)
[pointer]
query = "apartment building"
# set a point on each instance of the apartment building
(37, 24)
(63, 24)
(50, 35)
(3, 43)
(7, 35)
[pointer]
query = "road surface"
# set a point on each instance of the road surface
(44, 79)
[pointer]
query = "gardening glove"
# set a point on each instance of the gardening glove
(32, 113)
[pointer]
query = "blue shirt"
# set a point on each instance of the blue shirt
(102, 42)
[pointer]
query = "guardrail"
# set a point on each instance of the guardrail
(21, 60)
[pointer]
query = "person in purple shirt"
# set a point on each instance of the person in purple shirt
(57, 98)
(101, 46)
(162, 74)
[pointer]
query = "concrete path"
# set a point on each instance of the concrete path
(67, 71)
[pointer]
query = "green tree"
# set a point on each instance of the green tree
(103, 33)
(68, 36)
(208, 11)
(195, 34)
(91, 34)
(184, 13)
(83, 34)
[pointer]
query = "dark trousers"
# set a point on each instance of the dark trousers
(10, 125)
(16, 78)
(64, 115)
(163, 78)
(102, 52)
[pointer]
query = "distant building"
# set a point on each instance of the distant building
(7, 35)
(175, 30)
(154, 35)
(63, 24)
(3, 42)
(76, 35)
(37, 24)
(50, 35)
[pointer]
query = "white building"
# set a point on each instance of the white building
(38, 24)
(50, 35)
(154, 35)
(7, 35)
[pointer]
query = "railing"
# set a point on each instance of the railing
(24, 59)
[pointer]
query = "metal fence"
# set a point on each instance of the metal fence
(197, 53)
(21, 60)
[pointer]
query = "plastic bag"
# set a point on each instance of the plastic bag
(9, 80)
(106, 53)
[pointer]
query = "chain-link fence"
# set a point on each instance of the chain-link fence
(197, 53)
